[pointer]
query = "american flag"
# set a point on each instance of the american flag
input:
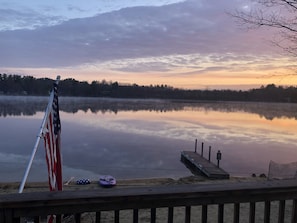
(51, 135)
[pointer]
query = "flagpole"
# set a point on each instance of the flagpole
(38, 139)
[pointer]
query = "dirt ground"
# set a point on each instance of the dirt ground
(13, 187)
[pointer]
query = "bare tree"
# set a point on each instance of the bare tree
(280, 15)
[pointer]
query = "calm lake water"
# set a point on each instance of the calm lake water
(144, 138)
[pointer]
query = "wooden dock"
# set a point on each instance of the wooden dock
(198, 164)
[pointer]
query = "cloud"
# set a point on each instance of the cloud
(11, 19)
(26, 11)
(189, 44)
(184, 28)
(190, 64)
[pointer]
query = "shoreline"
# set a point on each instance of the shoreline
(13, 187)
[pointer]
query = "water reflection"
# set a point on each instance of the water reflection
(144, 138)
(25, 105)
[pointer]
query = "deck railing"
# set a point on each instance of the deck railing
(265, 201)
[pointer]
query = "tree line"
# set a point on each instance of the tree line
(28, 85)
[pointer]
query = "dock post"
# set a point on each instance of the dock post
(209, 153)
(202, 149)
(219, 157)
(196, 146)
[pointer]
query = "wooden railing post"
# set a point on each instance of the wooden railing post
(220, 213)
(267, 208)
(77, 217)
(58, 218)
(153, 215)
(1, 215)
(98, 216)
(170, 214)
(252, 214)
(37, 219)
(135, 215)
(281, 211)
(294, 211)
(236, 213)
(7, 216)
(204, 214)
(188, 214)
(116, 216)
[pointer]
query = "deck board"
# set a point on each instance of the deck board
(196, 163)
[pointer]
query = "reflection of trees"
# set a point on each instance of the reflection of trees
(115, 105)
(267, 110)
(17, 106)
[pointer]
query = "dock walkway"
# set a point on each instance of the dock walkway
(196, 163)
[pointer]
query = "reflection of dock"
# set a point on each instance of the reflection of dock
(198, 164)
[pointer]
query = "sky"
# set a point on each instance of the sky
(190, 44)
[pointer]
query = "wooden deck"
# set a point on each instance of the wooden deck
(264, 201)
(198, 164)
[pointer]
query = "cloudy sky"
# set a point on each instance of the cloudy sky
(182, 43)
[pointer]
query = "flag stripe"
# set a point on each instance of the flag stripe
(52, 144)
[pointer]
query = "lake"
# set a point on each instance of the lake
(132, 138)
